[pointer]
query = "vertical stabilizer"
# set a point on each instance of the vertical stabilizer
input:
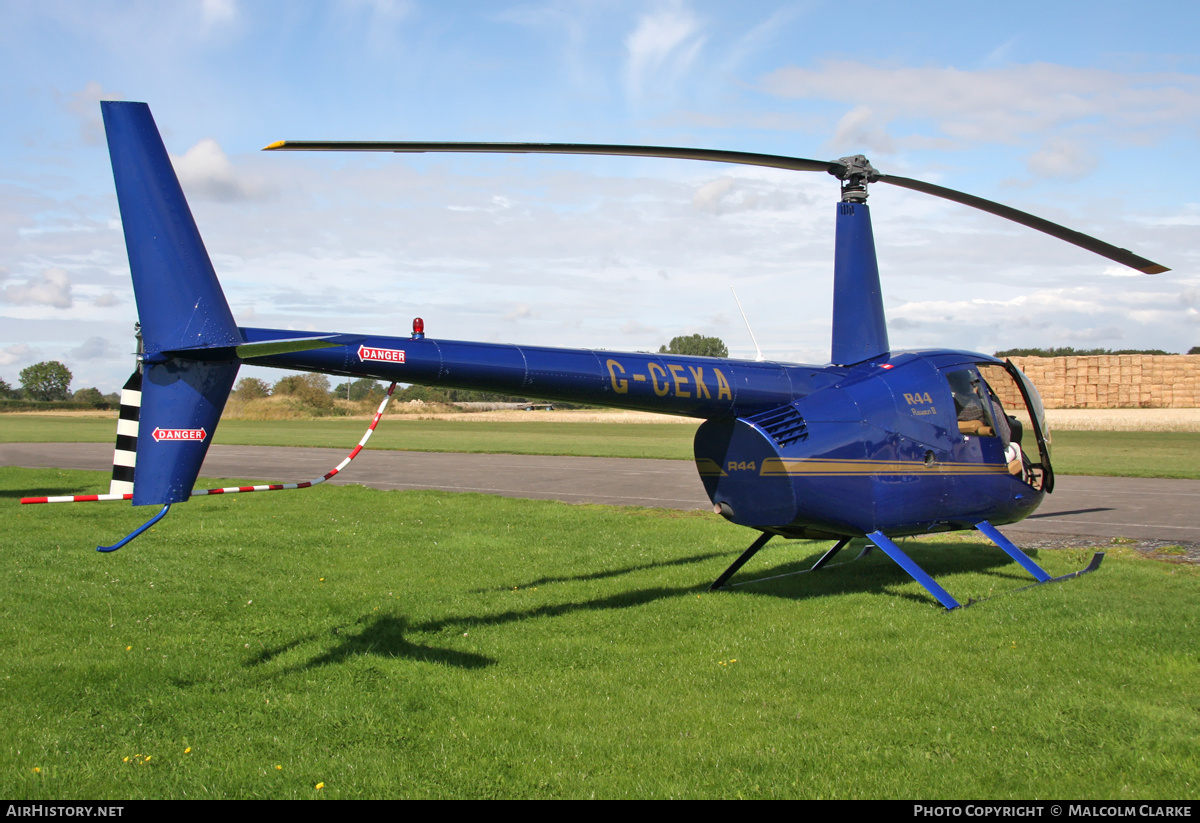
(859, 328)
(180, 302)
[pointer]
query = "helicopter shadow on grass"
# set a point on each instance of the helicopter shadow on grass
(385, 636)
(607, 573)
(55, 491)
(62, 488)
(873, 574)
(380, 636)
(623, 600)
(792, 579)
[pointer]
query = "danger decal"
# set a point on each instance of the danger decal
(387, 355)
(161, 434)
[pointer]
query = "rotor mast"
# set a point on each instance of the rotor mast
(859, 324)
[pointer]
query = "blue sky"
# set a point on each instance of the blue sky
(1087, 114)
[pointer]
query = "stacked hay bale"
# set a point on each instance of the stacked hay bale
(1115, 381)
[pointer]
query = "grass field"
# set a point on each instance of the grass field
(420, 644)
(670, 441)
(1123, 453)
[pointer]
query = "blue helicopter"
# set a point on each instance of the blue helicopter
(878, 443)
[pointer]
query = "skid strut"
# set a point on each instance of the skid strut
(741, 561)
(914, 571)
(720, 582)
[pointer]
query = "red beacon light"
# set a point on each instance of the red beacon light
(418, 329)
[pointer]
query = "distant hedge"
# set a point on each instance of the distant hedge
(1068, 351)
(51, 405)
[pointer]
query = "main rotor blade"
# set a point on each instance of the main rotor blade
(1122, 256)
(775, 161)
(741, 157)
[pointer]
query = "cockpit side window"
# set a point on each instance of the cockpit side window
(973, 404)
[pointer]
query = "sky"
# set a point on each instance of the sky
(1087, 114)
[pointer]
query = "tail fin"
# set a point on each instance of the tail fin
(188, 331)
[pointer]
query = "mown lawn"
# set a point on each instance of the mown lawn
(423, 644)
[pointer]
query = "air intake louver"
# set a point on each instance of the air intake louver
(784, 425)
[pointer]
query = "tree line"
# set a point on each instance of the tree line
(1068, 351)
(50, 382)
(313, 390)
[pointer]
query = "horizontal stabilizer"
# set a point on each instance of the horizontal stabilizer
(266, 348)
(248, 351)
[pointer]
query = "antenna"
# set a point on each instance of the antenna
(758, 356)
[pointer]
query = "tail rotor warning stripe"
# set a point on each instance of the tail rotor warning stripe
(125, 454)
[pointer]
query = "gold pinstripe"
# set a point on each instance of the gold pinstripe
(819, 467)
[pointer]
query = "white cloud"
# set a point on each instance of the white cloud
(632, 328)
(382, 10)
(709, 196)
(376, 23)
(1121, 271)
(759, 38)
(1103, 334)
(106, 299)
(14, 354)
(1002, 105)
(728, 195)
(661, 50)
(1189, 215)
(94, 348)
(85, 106)
(999, 55)
(51, 288)
(1062, 158)
(205, 173)
(218, 12)
(520, 311)
(861, 129)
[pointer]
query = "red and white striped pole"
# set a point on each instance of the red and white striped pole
(92, 498)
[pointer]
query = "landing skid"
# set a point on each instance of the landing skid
(720, 582)
(878, 539)
(988, 530)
